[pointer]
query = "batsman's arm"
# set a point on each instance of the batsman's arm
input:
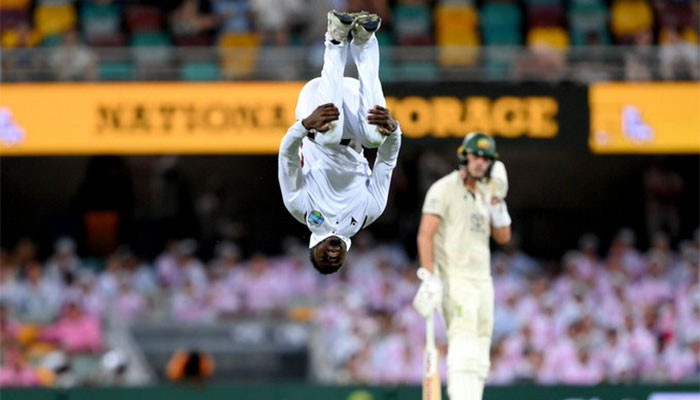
(434, 210)
(500, 221)
(429, 225)
(289, 171)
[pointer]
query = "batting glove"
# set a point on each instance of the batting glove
(499, 180)
(429, 295)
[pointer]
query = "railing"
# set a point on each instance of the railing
(580, 64)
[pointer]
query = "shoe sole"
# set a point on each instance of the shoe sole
(344, 18)
(370, 26)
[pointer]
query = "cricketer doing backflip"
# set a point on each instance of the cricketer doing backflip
(461, 212)
(325, 179)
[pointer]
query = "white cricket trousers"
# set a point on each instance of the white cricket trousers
(468, 311)
(352, 97)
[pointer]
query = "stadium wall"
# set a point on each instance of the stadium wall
(314, 392)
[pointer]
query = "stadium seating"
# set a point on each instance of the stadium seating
(102, 24)
(55, 19)
(630, 17)
(412, 24)
(235, 63)
(15, 5)
(115, 71)
(553, 37)
(456, 32)
(200, 71)
(151, 52)
(144, 18)
(501, 24)
(588, 17)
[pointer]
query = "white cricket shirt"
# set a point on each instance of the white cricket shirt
(331, 188)
(461, 244)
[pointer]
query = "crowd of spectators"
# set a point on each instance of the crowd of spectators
(630, 316)
(152, 31)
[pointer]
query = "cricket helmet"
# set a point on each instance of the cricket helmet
(477, 143)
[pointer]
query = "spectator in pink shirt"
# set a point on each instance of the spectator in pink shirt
(563, 352)
(190, 306)
(191, 268)
(529, 369)
(641, 345)
(130, 305)
(16, 372)
(412, 363)
(616, 362)
(542, 325)
(76, 331)
(260, 290)
(167, 266)
(360, 367)
(108, 281)
(611, 307)
(677, 362)
(8, 327)
(582, 370)
(503, 368)
(228, 261)
(623, 253)
(224, 297)
(91, 299)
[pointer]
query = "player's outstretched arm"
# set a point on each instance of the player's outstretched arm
(289, 165)
(387, 154)
(289, 172)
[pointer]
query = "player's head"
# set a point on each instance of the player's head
(328, 255)
(476, 154)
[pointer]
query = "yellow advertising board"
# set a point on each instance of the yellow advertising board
(645, 118)
(227, 118)
(145, 118)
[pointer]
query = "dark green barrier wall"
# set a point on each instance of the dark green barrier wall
(313, 392)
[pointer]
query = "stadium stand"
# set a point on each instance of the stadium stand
(458, 29)
(630, 316)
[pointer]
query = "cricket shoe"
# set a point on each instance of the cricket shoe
(339, 26)
(365, 26)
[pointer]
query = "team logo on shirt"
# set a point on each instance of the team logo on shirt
(315, 218)
(478, 223)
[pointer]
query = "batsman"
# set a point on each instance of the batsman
(462, 210)
(324, 177)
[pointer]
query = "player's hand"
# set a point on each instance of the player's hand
(320, 118)
(499, 180)
(429, 295)
(381, 117)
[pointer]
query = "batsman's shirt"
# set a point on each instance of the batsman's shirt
(331, 188)
(461, 244)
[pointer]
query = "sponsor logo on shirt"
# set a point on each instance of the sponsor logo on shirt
(315, 218)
